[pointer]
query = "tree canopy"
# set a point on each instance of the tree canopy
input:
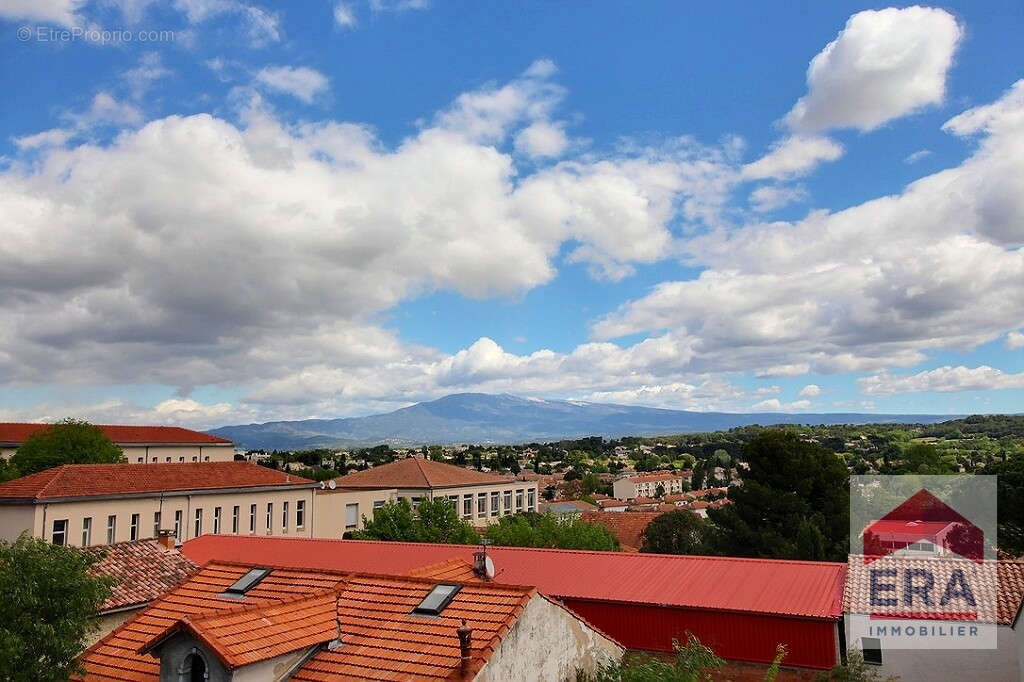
(676, 532)
(48, 600)
(434, 520)
(66, 442)
(793, 502)
(529, 529)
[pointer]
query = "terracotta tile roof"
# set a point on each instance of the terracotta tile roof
(143, 569)
(242, 636)
(806, 589)
(627, 527)
(290, 610)
(415, 472)
(604, 504)
(645, 500)
(90, 480)
(998, 587)
(454, 569)
(123, 435)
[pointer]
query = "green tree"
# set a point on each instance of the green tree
(530, 529)
(676, 532)
(49, 599)
(923, 458)
(789, 480)
(434, 520)
(67, 442)
(854, 670)
(693, 663)
(1010, 503)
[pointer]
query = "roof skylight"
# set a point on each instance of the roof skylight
(248, 581)
(437, 599)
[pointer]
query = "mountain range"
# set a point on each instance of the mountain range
(485, 418)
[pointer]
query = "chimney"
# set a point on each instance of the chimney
(465, 634)
(166, 538)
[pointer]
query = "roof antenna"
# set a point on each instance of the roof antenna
(482, 564)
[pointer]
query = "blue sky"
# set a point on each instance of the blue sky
(220, 211)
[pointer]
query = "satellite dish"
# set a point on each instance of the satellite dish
(488, 568)
(332, 485)
(322, 485)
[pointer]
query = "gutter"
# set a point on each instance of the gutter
(153, 493)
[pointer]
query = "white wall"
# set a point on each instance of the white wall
(547, 642)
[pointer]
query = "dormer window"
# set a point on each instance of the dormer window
(248, 581)
(437, 599)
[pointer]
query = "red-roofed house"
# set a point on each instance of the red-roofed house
(235, 621)
(742, 608)
(140, 444)
(142, 571)
(101, 504)
(647, 485)
(479, 497)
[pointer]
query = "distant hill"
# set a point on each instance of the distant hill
(484, 418)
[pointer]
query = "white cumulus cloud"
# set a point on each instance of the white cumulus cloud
(883, 65)
(298, 81)
(943, 380)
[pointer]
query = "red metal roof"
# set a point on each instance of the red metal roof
(122, 435)
(415, 472)
(92, 480)
(805, 589)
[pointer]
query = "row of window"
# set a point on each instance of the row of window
(495, 503)
(59, 535)
(195, 458)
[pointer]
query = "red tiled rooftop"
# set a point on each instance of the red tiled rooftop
(122, 434)
(143, 570)
(806, 589)
(293, 609)
(627, 527)
(92, 480)
(999, 593)
(415, 472)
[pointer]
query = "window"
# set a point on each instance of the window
(872, 648)
(234, 519)
(60, 532)
(467, 505)
(508, 502)
(86, 531)
(198, 523)
(216, 520)
(206, 459)
(519, 500)
(415, 501)
(351, 516)
(270, 518)
(140, 460)
(377, 504)
(195, 459)
(495, 503)
(133, 527)
(437, 599)
(156, 524)
(481, 504)
(180, 459)
(177, 526)
(111, 529)
(248, 581)
(300, 513)
(169, 459)
(252, 518)
(531, 499)
(284, 517)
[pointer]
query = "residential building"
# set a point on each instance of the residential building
(612, 505)
(103, 504)
(236, 621)
(140, 444)
(142, 571)
(742, 607)
(1004, 595)
(479, 498)
(647, 485)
